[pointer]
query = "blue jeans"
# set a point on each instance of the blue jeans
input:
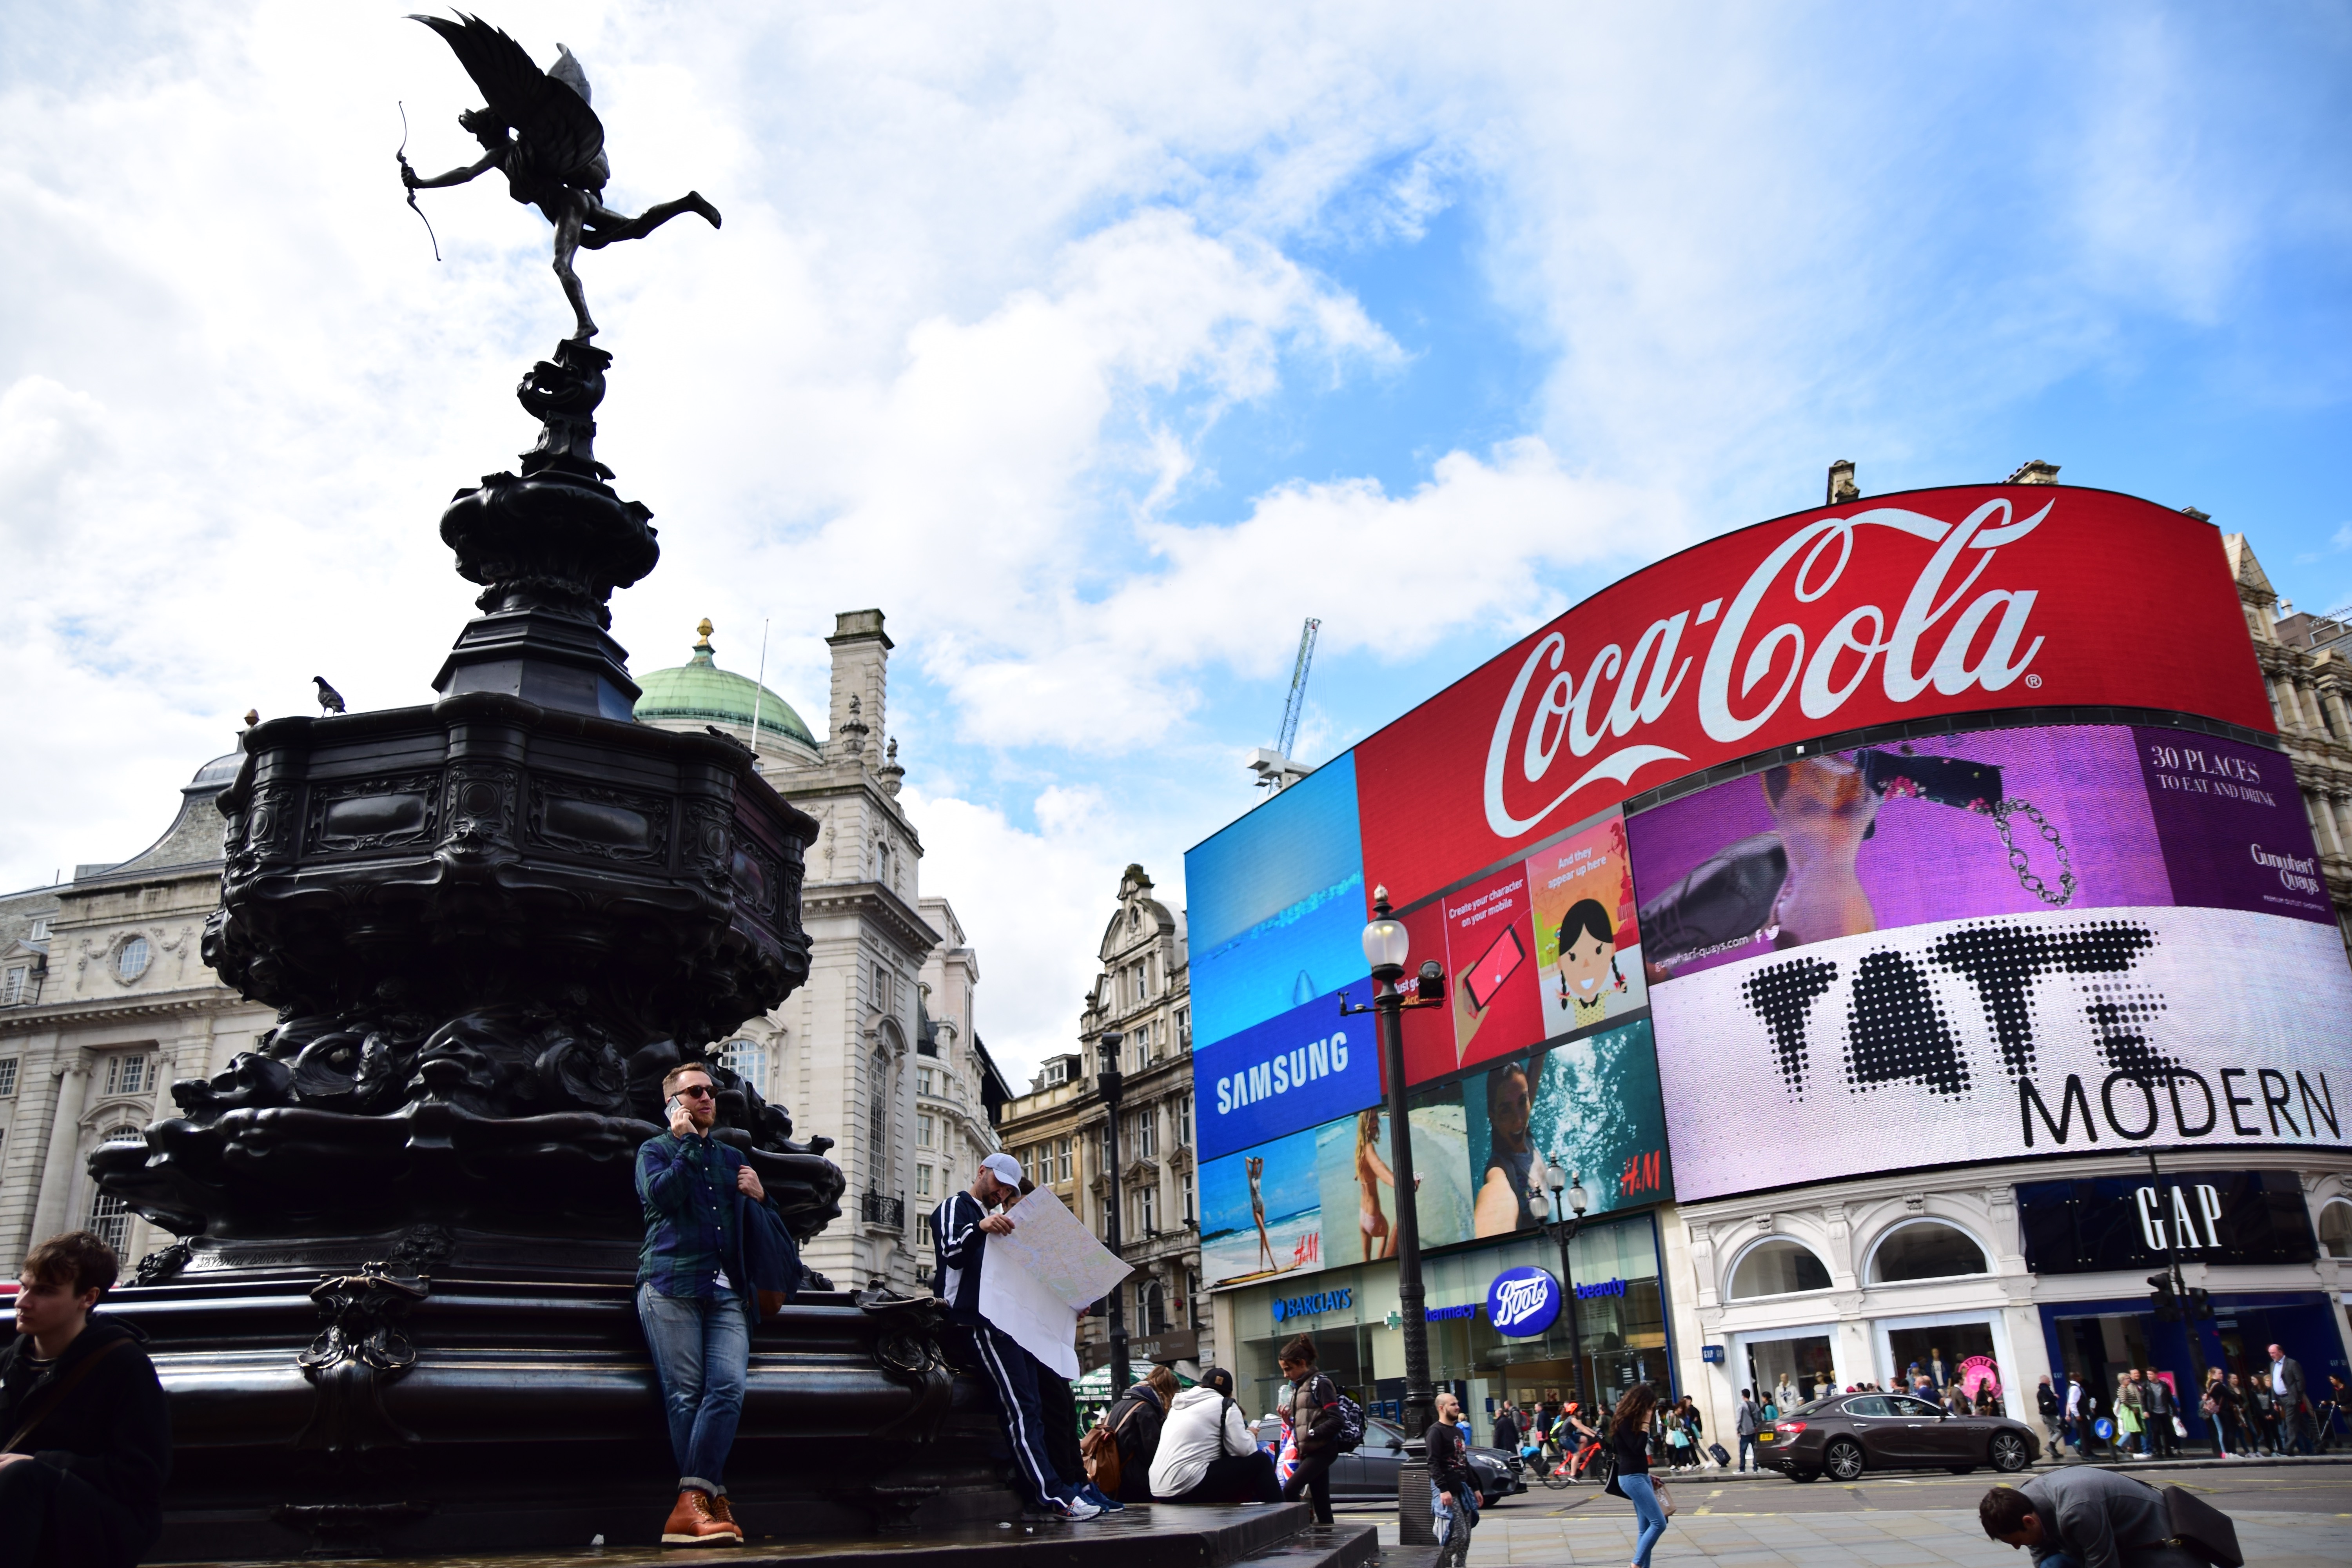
(701, 1351)
(1644, 1498)
(1747, 1452)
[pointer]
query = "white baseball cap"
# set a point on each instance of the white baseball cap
(1005, 1168)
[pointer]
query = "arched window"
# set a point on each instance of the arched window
(110, 1217)
(748, 1059)
(1151, 1308)
(131, 959)
(2335, 1230)
(877, 1118)
(1925, 1249)
(1777, 1268)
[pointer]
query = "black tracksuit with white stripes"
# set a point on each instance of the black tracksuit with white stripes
(957, 1243)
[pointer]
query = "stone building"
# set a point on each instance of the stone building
(2303, 660)
(879, 1050)
(104, 1001)
(1057, 1130)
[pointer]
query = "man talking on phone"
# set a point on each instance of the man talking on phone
(696, 1297)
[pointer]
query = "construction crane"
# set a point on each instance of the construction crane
(1273, 767)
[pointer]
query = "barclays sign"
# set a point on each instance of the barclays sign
(1522, 1302)
(1341, 1300)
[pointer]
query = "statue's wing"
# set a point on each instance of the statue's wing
(560, 134)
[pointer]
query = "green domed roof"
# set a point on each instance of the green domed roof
(699, 690)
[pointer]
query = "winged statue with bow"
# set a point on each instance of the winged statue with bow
(538, 130)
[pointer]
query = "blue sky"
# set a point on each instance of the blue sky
(1099, 345)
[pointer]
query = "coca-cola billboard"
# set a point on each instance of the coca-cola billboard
(1909, 606)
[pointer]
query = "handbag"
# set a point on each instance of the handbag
(2203, 1528)
(1665, 1498)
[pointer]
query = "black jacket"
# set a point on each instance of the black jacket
(113, 1429)
(1449, 1465)
(1134, 1423)
(1316, 1417)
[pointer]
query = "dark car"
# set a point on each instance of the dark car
(1371, 1471)
(1847, 1434)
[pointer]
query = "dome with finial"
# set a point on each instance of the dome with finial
(698, 692)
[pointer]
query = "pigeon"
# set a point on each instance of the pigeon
(328, 697)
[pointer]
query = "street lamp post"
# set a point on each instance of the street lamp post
(1564, 1227)
(1110, 1081)
(1385, 948)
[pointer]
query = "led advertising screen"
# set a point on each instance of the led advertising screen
(1987, 942)
(1890, 610)
(1275, 906)
(1986, 945)
(1326, 1196)
(1995, 821)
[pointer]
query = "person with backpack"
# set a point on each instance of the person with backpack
(1207, 1452)
(1131, 1428)
(1319, 1421)
(1747, 1422)
(83, 1479)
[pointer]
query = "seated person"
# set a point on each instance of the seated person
(88, 1431)
(1207, 1453)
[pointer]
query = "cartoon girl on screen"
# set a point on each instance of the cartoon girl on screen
(1588, 976)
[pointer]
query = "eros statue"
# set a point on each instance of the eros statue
(539, 130)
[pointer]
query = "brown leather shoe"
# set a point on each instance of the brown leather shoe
(725, 1515)
(694, 1523)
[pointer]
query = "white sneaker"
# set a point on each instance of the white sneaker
(1075, 1509)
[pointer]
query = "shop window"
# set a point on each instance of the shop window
(1777, 1268)
(1928, 1249)
(2335, 1229)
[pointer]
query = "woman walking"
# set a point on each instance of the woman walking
(1629, 1439)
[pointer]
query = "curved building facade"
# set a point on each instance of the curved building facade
(1905, 954)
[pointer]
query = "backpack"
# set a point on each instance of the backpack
(1351, 1425)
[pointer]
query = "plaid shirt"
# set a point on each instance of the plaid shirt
(687, 1185)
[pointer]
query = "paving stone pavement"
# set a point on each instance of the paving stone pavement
(1923, 1538)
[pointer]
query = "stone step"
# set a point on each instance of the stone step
(1348, 1543)
(1143, 1536)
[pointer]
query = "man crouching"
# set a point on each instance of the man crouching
(87, 1432)
(697, 1297)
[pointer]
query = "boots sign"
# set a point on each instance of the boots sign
(1929, 602)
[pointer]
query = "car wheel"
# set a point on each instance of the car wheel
(1802, 1475)
(2008, 1454)
(1845, 1461)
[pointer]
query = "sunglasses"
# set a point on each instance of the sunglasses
(694, 1091)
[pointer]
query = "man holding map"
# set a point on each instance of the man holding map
(962, 1232)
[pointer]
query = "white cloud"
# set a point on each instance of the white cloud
(992, 280)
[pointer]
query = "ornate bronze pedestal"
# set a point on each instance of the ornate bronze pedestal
(401, 1316)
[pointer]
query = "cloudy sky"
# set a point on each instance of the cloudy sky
(1099, 344)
